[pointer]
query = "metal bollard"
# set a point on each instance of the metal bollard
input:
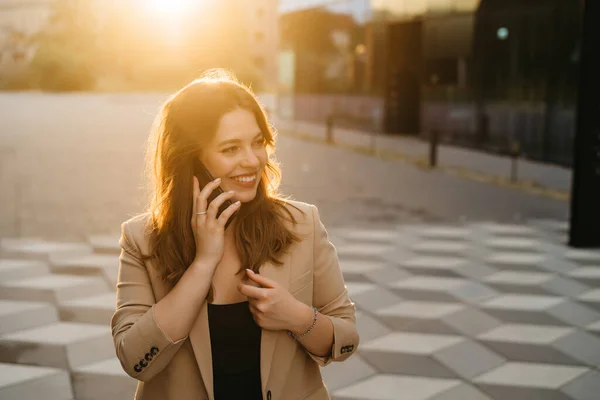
(514, 154)
(329, 133)
(433, 148)
(373, 143)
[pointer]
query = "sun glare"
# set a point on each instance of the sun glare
(171, 8)
(167, 17)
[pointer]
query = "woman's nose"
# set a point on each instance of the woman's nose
(250, 159)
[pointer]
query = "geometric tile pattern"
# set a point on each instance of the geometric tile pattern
(478, 311)
(483, 311)
(102, 380)
(28, 382)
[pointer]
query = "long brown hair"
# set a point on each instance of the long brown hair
(186, 122)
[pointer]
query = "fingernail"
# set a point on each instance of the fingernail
(248, 270)
(237, 203)
(218, 180)
(231, 192)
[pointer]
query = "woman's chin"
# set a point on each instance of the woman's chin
(245, 197)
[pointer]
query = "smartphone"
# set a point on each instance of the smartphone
(205, 177)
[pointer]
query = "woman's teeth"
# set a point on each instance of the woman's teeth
(245, 178)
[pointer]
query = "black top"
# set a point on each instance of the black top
(235, 344)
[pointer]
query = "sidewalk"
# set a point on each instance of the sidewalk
(478, 311)
(544, 179)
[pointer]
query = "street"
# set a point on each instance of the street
(71, 166)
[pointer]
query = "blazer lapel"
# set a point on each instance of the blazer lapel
(200, 340)
(269, 339)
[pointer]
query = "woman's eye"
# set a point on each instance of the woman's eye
(230, 149)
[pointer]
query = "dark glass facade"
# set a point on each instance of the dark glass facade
(483, 73)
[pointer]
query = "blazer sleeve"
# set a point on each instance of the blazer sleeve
(142, 347)
(330, 296)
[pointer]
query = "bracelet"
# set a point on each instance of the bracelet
(298, 337)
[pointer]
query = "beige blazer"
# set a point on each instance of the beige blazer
(182, 369)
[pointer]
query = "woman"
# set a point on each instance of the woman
(245, 312)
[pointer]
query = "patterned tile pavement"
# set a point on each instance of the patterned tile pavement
(445, 312)
(476, 311)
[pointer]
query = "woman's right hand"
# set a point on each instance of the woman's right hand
(209, 231)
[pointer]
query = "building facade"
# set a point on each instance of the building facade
(262, 20)
(19, 21)
(127, 32)
(487, 73)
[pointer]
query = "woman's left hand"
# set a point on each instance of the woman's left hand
(273, 307)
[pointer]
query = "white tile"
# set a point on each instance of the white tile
(10, 242)
(372, 300)
(431, 262)
(513, 244)
(356, 288)
(19, 315)
(49, 282)
(440, 247)
(473, 293)
(508, 259)
(103, 380)
(363, 251)
(523, 302)
(519, 278)
(42, 250)
(110, 366)
(411, 343)
(592, 295)
(339, 375)
(526, 334)
(94, 310)
(550, 224)
(359, 266)
(103, 300)
(86, 264)
(583, 256)
(585, 273)
(594, 327)
(13, 269)
(59, 333)
(21, 382)
(430, 283)
(507, 229)
(105, 244)
(60, 345)
(12, 307)
(369, 328)
(52, 288)
(557, 264)
(421, 309)
(390, 387)
(531, 375)
(13, 373)
(444, 233)
(382, 236)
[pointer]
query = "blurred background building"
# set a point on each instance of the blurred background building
(492, 74)
(20, 20)
(135, 44)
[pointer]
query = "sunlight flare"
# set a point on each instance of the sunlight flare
(166, 8)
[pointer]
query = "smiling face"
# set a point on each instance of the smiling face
(237, 154)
